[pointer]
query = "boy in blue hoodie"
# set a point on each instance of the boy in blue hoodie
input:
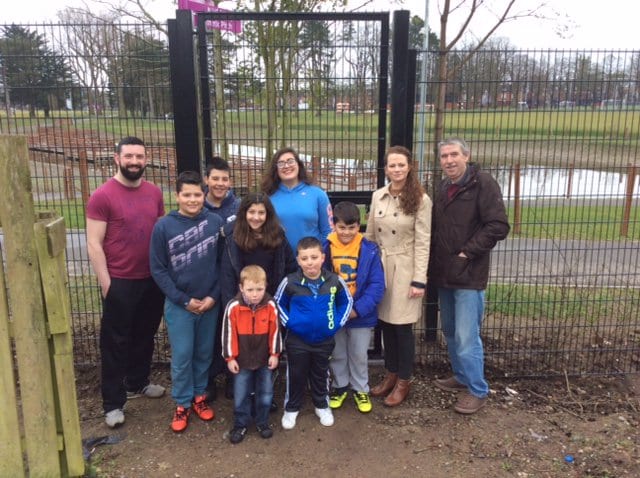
(314, 303)
(358, 262)
(220, 199)
(183, 257)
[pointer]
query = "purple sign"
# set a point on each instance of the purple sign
(195, 6)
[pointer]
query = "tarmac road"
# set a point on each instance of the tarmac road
(566, 262)
(514, 260)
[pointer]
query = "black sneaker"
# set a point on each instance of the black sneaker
(265, 431)
(237, 434)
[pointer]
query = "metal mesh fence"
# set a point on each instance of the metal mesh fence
(558, 129)
(74, 90)
(560, 132)
(319, 87)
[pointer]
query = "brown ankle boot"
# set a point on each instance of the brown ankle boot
(398, 394)
(384, 387)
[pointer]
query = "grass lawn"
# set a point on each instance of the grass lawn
(593, 222)
(589, 305)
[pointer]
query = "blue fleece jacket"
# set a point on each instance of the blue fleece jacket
(303, 210)
(369, 283)
(314, 314)
(184, 256)
(228, 208)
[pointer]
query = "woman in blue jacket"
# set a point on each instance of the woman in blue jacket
(303, 209)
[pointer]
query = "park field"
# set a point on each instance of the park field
(584, 136)
(580, 138)
(580, 222)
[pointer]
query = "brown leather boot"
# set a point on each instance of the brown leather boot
(398, 394)
(384, 387)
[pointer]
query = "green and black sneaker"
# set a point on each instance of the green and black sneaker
(363, 402)
(336, 399)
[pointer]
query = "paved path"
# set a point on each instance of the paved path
(515, 260)
(567, 262)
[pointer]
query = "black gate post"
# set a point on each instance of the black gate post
(400, 79)
(183, 92)
(411, 97)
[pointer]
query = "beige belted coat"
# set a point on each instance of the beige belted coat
(404, 243)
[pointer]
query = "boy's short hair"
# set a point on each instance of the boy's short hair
(216, 162)
(254, 274)
(308, 242)
(188, 177)
(346, 212)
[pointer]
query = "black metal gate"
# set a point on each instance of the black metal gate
(317, 82)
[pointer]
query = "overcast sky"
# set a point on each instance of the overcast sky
(586, 24)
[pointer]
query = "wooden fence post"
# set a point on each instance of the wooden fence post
(11, 449)
(29, 325)
(516, 200)
(628, 200)
(84, 176)
(570, 180)
(315, 167)
(51, 243)
(69, 186)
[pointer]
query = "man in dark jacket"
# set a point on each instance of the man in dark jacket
(469, 218)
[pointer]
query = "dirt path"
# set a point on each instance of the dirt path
(525, 431)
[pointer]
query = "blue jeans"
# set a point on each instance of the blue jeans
(246, 382)
(191, 339)
(461, 313)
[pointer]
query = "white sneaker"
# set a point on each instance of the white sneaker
(289, 420)
(114, 418)
(152, 390)
(325, 415)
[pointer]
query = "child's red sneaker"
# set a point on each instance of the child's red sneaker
(202, 409)
(180, 419)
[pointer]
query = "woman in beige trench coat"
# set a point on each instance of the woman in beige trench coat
(400, 223)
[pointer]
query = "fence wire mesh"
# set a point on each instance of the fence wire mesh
(560, 132)
(74, 90)
(316, 87)
(558, 129)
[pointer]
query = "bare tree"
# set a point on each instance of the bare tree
(274, 45)
(503, 11)
(135, 10)
(91, 46)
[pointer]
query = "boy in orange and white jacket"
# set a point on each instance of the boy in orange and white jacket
(251, 345)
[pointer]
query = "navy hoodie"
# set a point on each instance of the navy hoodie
(228, 208)
(184, 256)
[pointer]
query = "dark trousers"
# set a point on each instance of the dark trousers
(399, 349)
(307, 364)
(259, 384)
(218, 363)
(131, 313)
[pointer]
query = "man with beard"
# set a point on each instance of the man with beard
(120, 217)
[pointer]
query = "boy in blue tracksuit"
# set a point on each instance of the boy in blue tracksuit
(358, 262)
(183, 258)
(314, 303)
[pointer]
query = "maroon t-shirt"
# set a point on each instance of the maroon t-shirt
(130, 214)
